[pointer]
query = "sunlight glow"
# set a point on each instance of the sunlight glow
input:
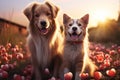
(101, 15)
(87, 61)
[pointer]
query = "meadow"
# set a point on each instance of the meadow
(15, 63)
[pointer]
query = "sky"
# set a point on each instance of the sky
(98, 10)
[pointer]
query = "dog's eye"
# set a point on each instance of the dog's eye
(70, 24)
(79, 24)
(37, 15)
(48, 14)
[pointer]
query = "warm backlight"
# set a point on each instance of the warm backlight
(100, 15)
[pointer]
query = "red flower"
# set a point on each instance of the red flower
(119, 50)
(107, 56)
(18, 77)
(111, 72)
(97, 75)
(117, 63)
(84, 76)
(5, 67)
(102, 67)
(19, 56)
(112, 52)
(46, 71)
(68, 76)
(99, 58)
(106, 63)
(5, 74)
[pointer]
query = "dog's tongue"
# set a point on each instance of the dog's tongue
(74, 37)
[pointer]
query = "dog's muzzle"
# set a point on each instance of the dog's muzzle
(43, 23)
(74, 35)
(44, 29)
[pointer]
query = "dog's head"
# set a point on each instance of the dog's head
(41, 15)
(75, 29)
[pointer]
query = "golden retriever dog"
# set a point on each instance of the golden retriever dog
(42, 40)
(73, 53)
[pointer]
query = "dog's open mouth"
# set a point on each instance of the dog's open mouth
(44, 31)
(74, 35)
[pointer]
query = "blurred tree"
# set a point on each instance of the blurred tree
(106, 32)
(119, 18)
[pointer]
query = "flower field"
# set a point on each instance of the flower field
(107, 58)
(15, 62)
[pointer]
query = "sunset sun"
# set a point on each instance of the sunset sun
(100, 15)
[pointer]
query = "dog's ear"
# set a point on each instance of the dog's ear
(85, 19)
(28, 11)
(54, 9)
(66, 18)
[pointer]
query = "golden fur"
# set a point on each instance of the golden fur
(43, 44)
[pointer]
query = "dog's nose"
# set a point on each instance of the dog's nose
(43, 23)
(74, 28)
